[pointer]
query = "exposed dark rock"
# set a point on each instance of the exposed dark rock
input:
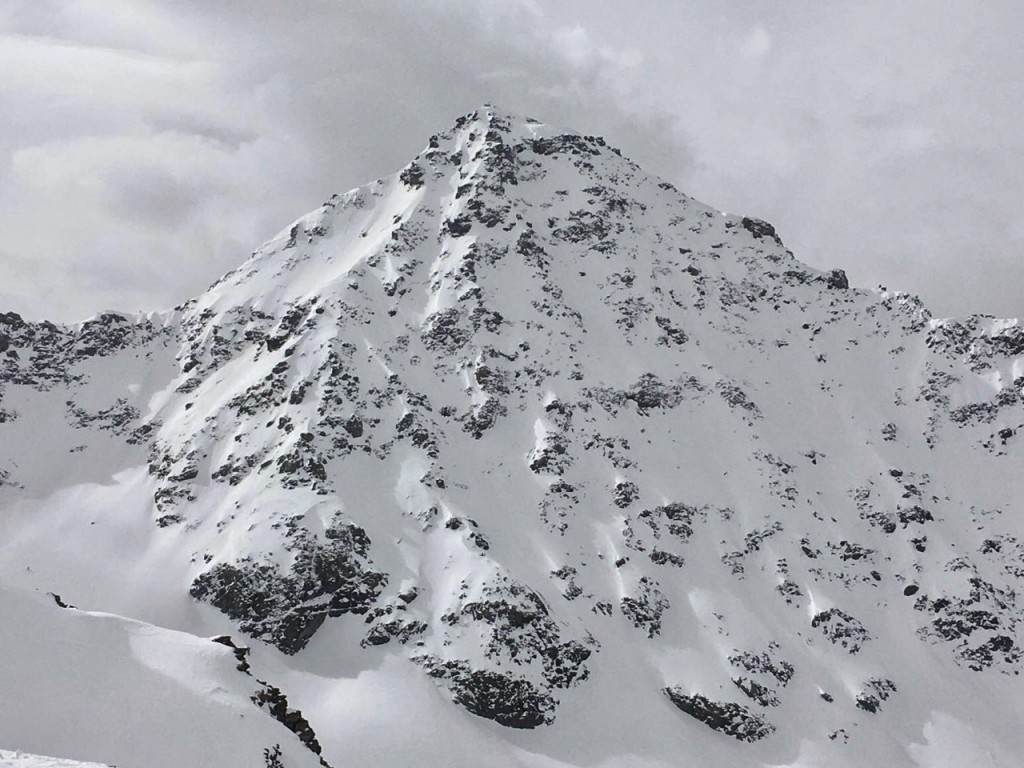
(389, 624)
(241, 652)
(583, 226)
(737, 398)
(761, 694)
(12, 319)
(271, 698)
(520, 626)
(551, 457)
(847, 550)
(519, 633)
(874, 692)
(915, 514)
(272, 757)
(760, 229)
(569, 143)
(354, 426)
(765, 663)
(483, 417)
(165, 521)
(790, 590)
(328, 578)
(725, 717)
(59, 601)
(979, 626)
(412, 176)
(567, 574)
(673, 336)
(661, 557)
(457, 227)
(625, 493)
(647, 393)
(837, 280)
(444, 331)
(677, 519)
(650, 392)
(646, 607)
(504, 698)
(841, 628)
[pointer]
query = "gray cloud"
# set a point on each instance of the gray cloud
(148, 146)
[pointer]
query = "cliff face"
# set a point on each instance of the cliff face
(524, 429)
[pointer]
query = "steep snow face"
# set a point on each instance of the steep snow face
(522, 452)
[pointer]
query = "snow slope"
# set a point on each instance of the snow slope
(101, 687)
(24, 760)
(522, 456)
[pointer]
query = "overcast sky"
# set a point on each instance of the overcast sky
(147, 146)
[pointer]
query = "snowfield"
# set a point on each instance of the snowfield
(517, 457)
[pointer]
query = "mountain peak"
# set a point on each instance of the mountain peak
(521, 433)
(494, 182)
(491, 117)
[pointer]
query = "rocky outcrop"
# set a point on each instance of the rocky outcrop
(529, 656)
(841, 629)
(332, 577)
(727, 717)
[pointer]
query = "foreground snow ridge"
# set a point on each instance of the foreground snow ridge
(518, 453)
(24, 760)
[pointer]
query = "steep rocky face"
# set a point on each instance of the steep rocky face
(535, 422)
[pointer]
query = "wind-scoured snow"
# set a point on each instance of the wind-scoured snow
(522, 457)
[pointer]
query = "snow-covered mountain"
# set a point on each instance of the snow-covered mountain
(518, 457)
